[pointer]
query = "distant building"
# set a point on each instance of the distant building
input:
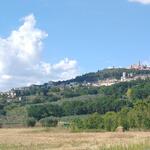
(139, 67)
(123, 78)
(107, 82)
(20, 99)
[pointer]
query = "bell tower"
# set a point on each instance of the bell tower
(139, 63)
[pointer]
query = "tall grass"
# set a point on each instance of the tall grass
(142, 146)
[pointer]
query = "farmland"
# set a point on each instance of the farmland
(63, 139)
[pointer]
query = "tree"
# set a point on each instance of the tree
(142, 116)
(49, 121)
(139, 116)
(77, 124)
(123, 118)
(30, 122)
(129, 93)
(110, 121)
(94, 121)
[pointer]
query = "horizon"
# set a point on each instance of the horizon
(107, 68)
(43, 41)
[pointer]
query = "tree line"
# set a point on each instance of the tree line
(136, 118)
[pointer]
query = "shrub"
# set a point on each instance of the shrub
(1, 124)
(49, 122)
(30, 122)
(123, 119)
(110, 121)
(77, 124)
(94, 121)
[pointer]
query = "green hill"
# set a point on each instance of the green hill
(71, 98)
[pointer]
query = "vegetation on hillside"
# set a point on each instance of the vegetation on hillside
(125, 103)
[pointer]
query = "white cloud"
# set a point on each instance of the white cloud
(20, 58)
(141, 1)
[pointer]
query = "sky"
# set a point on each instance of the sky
(44, 40)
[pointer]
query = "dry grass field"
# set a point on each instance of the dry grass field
(56, 139)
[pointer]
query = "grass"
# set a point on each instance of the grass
(20, 147)
(63, 139)
(142, 146)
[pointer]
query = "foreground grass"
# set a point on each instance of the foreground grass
(63, 139)
(142, 146)
(22, 147)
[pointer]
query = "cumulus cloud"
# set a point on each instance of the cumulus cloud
(20, 58)
(141, 1)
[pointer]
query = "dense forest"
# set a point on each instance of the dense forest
(124, 104)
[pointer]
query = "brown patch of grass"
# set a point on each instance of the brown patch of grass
(62, 139)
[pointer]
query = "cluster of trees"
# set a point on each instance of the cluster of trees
(37, 94)
(79, 91)
(43, 102)
(40, 111)
(137, 117)
(101, 104)
(112, 98)
(44, 122)
(139, 89)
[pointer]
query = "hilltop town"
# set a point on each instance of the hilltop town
(126, 77)
(114, 76)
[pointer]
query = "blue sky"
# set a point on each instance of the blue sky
(94, 33)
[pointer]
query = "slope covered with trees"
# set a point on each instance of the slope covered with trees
(126, 103)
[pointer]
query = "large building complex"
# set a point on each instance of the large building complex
(139, 66)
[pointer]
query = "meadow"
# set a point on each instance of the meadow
(63, 139)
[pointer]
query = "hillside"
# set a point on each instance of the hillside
(99, 78)
(75, 98)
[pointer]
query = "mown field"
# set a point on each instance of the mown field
(58, 139)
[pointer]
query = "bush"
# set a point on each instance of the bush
(30, 122)
(77, 124)
(123, 119)
(1, 124)
(94, 121)
(49, 122)
(39, 111)
(110, 121)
